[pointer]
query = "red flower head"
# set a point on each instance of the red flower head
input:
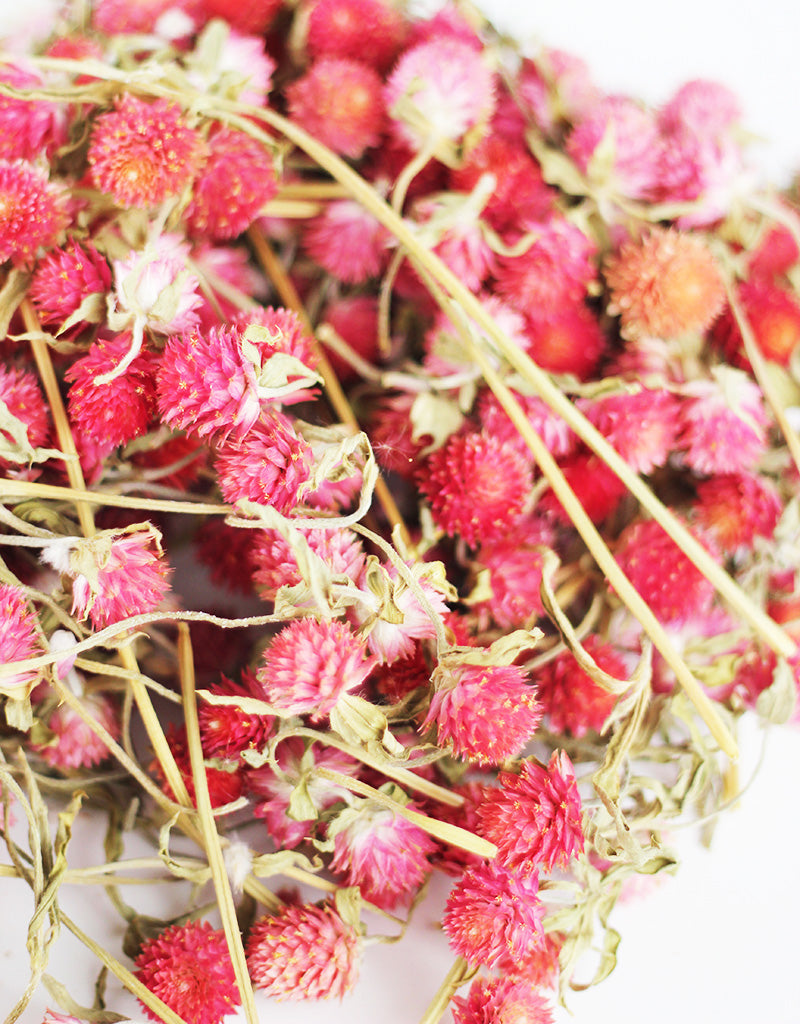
(304, 952)
(476, 484)
(367, 30)
(216, 210)
(310, 664)
(142, 153)
(18, 640)
(33, 211)
(736, 508)
(492, 913)
(534, 819)
(774, 317)
(500, 1000)
(567, 340)
(19, 390)
(572, 700)
(339, 101)
(189, 968)
(65, 277)
(226, 730)
(225, 784)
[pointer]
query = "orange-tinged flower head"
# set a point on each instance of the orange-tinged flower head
(664, 285)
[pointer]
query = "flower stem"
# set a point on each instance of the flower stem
(458, 975)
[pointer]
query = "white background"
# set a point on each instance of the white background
(719, 942)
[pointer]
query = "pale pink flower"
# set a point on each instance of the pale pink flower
(554, 87)
(347, 241)
(119, 17)
(112, 577)
(451, 224)
(445, 350)
(438, 91)
(551, 428)
(723, 423)
(74, 744)
(298, 763)
(51, 1017)
(240, 68)
(492, 913)
(154, 284)
(18, 641)
(534, 818)
(641, 425)
(189, 968)
(268, 465)
(484, 713)
(274, 563)
(389, 640)
(500, 1000)
(381, 852)
(616, 145)
(304, 952)
(310, 664)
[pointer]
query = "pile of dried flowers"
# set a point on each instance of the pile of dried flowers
(506, 630)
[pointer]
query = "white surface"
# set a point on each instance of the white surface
(719, 942)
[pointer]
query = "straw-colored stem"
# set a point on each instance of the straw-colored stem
(208, 826)
(15, 489)
(288, 295)
(473, 308)
(441, 830)
(458, 975)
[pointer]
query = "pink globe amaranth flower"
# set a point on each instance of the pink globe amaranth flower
(18, 641)
(381, 852)
(143, 152)
(274, 563)
(665, 284)
(347, 241)
(446, 352)
(113, 577)
(310, 664)
(118, 17)
(555, 270)
(497, 1000)
(554, 87)
(20, 392)
(339, 101)
(641, 425)
(596, 486)
(538, 967)
(286, 335)
(355, 320)
(451, 224)
(154, 286)
(239, 69)
(51, 1017)
(735, 508)
(298, 763)
(304, 952)
(703, 107)
(74, 744)
(475, 484)
(391, 434)
(120, 410)
(29, 128)
(492, 913)
(569, 340)
(218, 212)
(519, 193)
(773, 314)
(534, 818)
(367, 30)
(514, 567)
(672, 585)
(269, 465)
(774, 255)
(723, 423)
(551, 428)
(64, 278)
(573, 702)
(403, 676)
(438, 91)
(483, 713)
(250, 16)
(206, 386)
(225, 730)
(33, 211)
(225, 782)
(387, 639)
(618, 127)
(189, 968)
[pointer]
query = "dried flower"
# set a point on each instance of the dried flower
(573, 701)
(188, 967)
(73, 743)
(367, 30)
(774, 318)
(65, 278)
(492, 913)
(18, 641)
(33, 211)
(305, 952)
(20, 393)
(497, 1000)
(736, 508)
(347, 241)
(534, 819)
(310, 664)
(226, 730)
(666, 284)
(29, 127)
(641, 425)
(143, 152)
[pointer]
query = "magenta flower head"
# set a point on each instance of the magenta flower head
(18, 641)
(534, 818)
(501, 1000)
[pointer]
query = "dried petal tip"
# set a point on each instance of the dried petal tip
(33, 211)
(189, 968)
(304, 952)
(501, 1001)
